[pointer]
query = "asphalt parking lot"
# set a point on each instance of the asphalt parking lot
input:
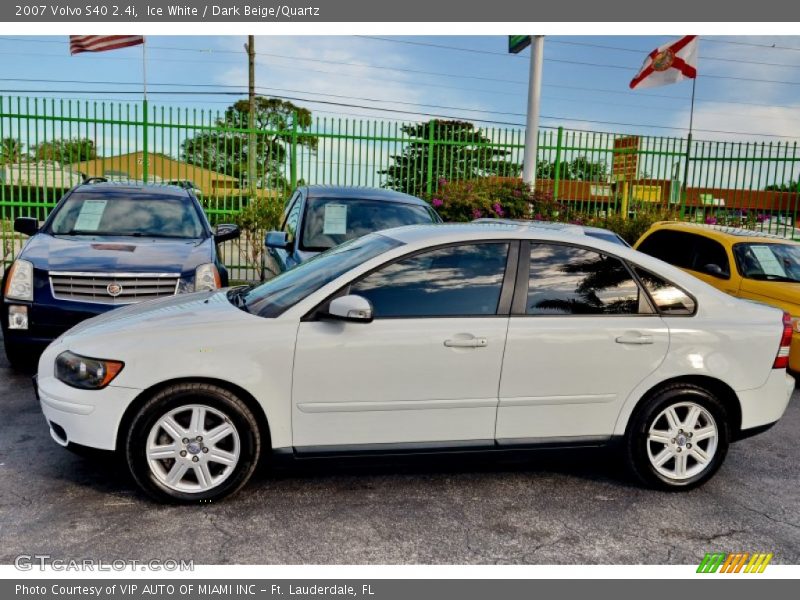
(578, 508)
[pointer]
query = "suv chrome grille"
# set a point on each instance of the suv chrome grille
(112, 288)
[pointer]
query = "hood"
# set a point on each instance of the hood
(174, 312)
(115, 254)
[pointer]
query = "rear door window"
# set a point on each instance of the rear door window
(569, 280)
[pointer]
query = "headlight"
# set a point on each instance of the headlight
(206, 277)
(19, 285)
(86, 373)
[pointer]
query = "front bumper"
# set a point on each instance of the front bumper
(47, 321)
(765, 405)
(84, 417)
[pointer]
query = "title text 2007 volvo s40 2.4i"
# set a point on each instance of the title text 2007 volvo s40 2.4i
(425, 337)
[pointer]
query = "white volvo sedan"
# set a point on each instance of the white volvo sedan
(445, 337)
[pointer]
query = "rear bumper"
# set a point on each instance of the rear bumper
(763, 406)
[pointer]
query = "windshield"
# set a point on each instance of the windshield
(768, 262)
(270, 299)
(330, 221)
(140, 215)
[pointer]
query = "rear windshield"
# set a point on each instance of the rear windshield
(331, 221)
(128, 215)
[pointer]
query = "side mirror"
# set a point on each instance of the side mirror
(226, 231)
(356, 309)
(26, 225)
(277, 239)
(714, 270)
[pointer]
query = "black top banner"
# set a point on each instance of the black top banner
(140, 11)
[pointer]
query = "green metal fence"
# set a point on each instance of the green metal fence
(49, 145)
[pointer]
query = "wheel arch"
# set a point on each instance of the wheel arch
(717, 387)
(249, 400)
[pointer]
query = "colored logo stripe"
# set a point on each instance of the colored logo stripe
(734, 562)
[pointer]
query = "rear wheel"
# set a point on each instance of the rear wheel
(679, 438)
(193, 442)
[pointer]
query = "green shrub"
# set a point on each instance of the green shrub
(255, 219)
(489, 197)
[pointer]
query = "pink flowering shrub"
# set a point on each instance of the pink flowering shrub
(490, 197)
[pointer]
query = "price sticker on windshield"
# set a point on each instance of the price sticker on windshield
(90, 215)
(335, 222)
(768, 261)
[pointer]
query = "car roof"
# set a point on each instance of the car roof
(550, 225)
(453, 232)
(151, 190)
(720, 232)
(361, 193)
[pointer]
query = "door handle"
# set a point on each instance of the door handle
(474, 342)
(637, 339)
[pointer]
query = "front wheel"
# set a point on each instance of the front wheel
(679, 438)
(193, 442)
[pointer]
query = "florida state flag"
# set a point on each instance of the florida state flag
(670, 63)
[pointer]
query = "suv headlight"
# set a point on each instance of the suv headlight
(86, 373)
(206, 277)
(19, 285)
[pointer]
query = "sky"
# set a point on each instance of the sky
(748, 88)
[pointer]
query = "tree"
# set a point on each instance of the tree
(792, 186)
(459, 152)
(579, 168)
(66, 151)
(226, 150)
(10, 151)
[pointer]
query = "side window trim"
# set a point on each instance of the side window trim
(289, 207)
(520, 300)
(633, 268)
(509, 280)
(293, 209)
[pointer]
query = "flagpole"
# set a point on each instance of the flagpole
(145, 160)
(688, 151)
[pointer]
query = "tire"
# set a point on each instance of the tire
(663, 446)
(204, 469)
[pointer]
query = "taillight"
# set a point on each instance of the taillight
(782, 359)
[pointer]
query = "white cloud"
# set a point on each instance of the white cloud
(355, 83)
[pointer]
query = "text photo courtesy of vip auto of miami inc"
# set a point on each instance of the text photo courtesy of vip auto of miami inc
(394, 299)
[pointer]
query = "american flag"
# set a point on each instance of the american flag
(100, 43)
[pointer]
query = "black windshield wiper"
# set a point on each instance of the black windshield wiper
(767, 277)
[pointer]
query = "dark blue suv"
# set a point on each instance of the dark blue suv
(106, 245)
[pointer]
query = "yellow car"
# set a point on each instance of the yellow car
(743, 263)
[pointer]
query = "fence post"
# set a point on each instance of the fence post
(685, 194)
(293, 154)
(557, 177)
(145, 160)
(429, 175)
